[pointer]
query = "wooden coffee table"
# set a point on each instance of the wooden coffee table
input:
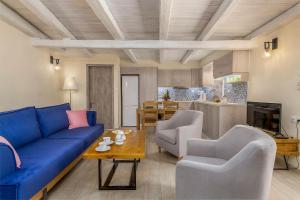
(131, 151)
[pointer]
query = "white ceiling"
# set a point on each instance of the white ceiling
(139, 20)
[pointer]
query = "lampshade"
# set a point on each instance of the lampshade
(70, 84)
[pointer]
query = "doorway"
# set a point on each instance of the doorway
(100, 93)
(130, 98)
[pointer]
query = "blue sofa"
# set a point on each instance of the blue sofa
(45, 145)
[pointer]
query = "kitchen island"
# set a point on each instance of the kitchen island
(218, 118)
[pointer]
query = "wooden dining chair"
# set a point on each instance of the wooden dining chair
(150, 113)
(170, 108)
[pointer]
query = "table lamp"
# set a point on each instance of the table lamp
(70, 85)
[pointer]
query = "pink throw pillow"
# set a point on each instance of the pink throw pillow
(17, 158)
(77, 118)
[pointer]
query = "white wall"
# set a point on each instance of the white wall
(275, 79)
(77, 67)
(26, 76)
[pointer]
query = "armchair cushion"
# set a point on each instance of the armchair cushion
(206, 160)
(168, 135)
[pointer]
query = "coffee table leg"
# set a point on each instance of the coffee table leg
(99, 174)
(132, 181)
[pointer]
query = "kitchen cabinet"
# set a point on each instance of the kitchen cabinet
(181, 78)
(164, 78)
(218, 118)
(235, 62)
(174, 78)
(196, 77)
(207, 74)
(186, 105)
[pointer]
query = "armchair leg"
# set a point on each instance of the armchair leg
(159, 149)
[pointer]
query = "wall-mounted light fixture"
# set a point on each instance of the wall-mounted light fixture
(55, 63)
(269, 46)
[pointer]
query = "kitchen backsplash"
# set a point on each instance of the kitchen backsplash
(235, 92)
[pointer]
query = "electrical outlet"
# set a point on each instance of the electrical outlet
(295, 119)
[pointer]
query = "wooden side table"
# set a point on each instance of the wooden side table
(287, 147)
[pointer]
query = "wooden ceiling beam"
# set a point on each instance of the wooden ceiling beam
(276, 22)
(223, 11)
(44, 14)
(146, 44)
(165, 14)
(14, 19)
(103, 13)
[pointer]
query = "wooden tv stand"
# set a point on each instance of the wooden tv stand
(285, 147)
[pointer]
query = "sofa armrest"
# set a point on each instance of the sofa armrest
(201, 147)
(183, 134)
(7, 161)
(91, 117)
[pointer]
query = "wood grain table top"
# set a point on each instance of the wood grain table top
(133, 147)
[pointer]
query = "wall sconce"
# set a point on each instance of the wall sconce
(55, 63)
(269, 46)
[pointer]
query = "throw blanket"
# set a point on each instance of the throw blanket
(4, 141)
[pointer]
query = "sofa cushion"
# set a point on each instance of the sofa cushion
(42, 160)
(91, 117)
(77, 118)
(7, 162)
(20, 127)
(168, 135)
(87, 134)
(53, 118)
(16, 155)
(206, 160)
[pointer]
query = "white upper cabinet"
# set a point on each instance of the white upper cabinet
(235, 62)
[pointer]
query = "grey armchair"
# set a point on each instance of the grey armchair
(172, 134)
(237, 166)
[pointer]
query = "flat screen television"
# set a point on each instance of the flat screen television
(264, 115)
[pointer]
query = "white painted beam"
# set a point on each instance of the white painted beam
(146, 44)
(12, 18)
(276, 22)
(103, 13)
(44, 14)
(223, 11)
(165, 14)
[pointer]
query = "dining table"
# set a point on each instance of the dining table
(140, 113)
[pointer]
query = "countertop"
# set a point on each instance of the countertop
(220, 104)
(213, 103)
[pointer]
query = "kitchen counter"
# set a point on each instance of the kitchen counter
(218, 118)
(220, 104)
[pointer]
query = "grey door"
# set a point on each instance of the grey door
(100, 93)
